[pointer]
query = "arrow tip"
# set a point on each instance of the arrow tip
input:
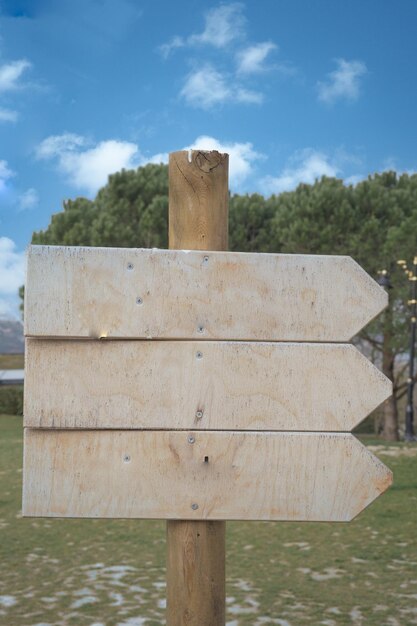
(378, 479)
(372, 297)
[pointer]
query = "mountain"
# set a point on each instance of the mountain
(11, 337)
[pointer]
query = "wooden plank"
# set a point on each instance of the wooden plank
(202, 385)
(110, 292)
(199, 475)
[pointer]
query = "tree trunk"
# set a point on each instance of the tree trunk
(390, 409)
(378, 421)
(390, 430)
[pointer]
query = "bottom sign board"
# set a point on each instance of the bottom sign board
(199, 475)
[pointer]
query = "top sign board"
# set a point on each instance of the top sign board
(174, 294)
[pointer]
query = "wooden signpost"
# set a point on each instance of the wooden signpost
(197, 386)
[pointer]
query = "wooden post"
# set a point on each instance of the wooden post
(198, 219)
(198, 200)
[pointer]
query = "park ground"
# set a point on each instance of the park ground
(111, 573)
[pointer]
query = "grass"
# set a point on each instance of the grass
(12, 361)
(111, 573)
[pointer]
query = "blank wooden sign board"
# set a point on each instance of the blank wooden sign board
(198, 385)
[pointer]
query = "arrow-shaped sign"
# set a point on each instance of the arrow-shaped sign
(172, 294)
(205, 385)
(199, 475)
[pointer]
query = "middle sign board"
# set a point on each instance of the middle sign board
(200, 385)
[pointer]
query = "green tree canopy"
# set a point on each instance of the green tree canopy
(131, 211)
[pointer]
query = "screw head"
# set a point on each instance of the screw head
(200, 329)
(130, 266)
(139, 301)
(194, 506)
(126, 458)
(199, 414)
(205, 259)
(191, 439)
(199, 355)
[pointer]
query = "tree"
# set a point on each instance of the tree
(70, 227)
(249, 223)
(131, 211)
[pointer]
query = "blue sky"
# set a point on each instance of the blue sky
(292, 89)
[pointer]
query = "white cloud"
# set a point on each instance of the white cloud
(206, 87)
(10, 81)
(305, 167)
(342, 83)
(225, 28)
(88, 167)
(56, 145)
(251, 60)
(175, 43)
(157, 159)
(247, 95)
(7, 115)
(12, 274)
(28, 199)
(10, 74)
(224, 24)
(241, 156)
(5, 174)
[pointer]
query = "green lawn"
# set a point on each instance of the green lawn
(109, 573)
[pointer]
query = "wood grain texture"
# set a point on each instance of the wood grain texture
(111, 292)
(196, 561)
(199, 475)
(198, 200)
(201, 385)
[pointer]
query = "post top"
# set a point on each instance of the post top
(205, 160)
